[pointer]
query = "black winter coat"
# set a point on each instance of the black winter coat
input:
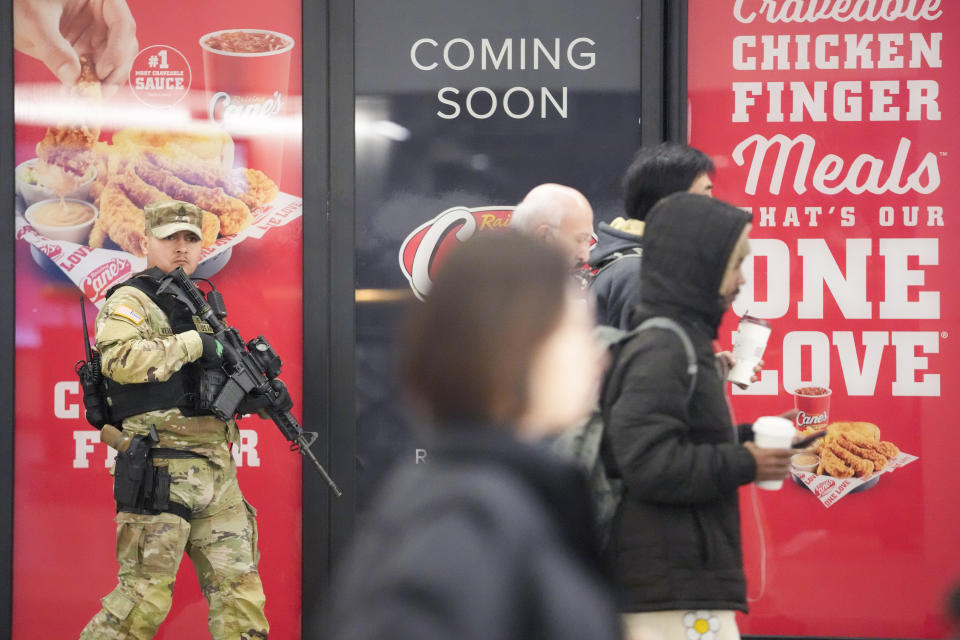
(616, 286)
(676, 537)
(490, 539)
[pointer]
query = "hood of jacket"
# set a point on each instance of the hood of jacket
(687, 243)
(611, 240)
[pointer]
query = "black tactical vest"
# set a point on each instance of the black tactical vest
(183, 389)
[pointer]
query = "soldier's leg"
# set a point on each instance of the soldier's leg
(149, 549)
(223, 548)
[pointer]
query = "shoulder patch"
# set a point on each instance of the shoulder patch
(124, 311)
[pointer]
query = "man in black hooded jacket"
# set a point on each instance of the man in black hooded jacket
(676, 538)
(655, 172)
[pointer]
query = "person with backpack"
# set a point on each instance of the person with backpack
(492, 537)
(675, 538)
(615, 260)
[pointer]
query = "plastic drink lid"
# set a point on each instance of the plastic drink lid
(773, 426)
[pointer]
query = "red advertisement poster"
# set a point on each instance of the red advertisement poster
(118, 105)
(835, 123)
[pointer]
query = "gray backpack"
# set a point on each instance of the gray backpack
(584, 442)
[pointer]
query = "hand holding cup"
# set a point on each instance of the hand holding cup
(748, 347)
(771, 450)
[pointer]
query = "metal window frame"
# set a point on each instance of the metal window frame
(7, 319)
(328, 294)
(663, 69)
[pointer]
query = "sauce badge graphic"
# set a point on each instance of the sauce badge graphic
(427, 246)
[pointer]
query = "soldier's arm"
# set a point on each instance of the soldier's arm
(133, 351)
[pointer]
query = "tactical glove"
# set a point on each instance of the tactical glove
(212, 355)
(258, 402)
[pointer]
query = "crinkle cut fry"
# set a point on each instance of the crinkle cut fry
(234, 215)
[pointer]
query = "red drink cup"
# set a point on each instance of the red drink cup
(246, 72)
(813, 407)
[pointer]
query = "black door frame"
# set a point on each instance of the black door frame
(329, 326)
(7, 314)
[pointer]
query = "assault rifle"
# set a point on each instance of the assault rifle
(251, 368)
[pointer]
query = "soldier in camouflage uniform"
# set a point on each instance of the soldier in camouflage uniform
(138, 345)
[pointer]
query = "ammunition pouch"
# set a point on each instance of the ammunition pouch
(211, 384)
(139, 486)
(193, 390)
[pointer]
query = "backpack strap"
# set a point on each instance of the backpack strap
(635, 252)
(663, 322)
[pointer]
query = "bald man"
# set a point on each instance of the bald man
(560, 215)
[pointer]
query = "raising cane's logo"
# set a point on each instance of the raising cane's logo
(96, 283)
(230, 110)
(824, 488)
(805, 420)
(425, 249)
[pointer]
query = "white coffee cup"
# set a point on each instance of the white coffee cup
(748, 347)
(772, 432)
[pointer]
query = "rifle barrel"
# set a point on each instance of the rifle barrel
(305, 450)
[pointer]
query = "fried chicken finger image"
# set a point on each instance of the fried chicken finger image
(69, 145)
(258, 188)
(834, 466)
(122, 220)
(251, 186)
(234, 215)
(190, 168)
(860, 466)
(863, 448)
(142, 194)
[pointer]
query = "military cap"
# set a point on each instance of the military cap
(164, 219)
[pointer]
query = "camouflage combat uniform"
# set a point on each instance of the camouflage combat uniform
(137, 345)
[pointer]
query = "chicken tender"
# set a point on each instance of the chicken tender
(250, 186)
(69, 145)
(121, 220)
(258, 188)
(833, 465)
(234, 215)
(862, 449)
(142, 194)
(861, 467)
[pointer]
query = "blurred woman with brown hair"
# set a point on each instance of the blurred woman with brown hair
(494, 536)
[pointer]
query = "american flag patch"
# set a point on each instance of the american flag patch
(124, 311)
